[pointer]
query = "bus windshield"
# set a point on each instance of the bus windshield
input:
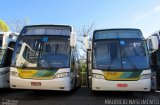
(53, 52)
(120, 54)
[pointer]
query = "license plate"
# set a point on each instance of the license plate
(36, 83)
(122, 85)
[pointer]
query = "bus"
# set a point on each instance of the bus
(119, 60)
(7, 42)
(155, 59)
(45, 58)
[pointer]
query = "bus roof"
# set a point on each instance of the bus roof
(111, 29)
(8, 33)
(47, 25)
(156, 33)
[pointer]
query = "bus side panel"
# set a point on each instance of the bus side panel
(4, 77)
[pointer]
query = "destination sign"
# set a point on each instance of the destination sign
(47, 30)
(115, 34)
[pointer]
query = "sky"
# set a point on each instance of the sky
(142, 14)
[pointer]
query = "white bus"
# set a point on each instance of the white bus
(119, 61)
(7, 42)
(155, 59)
(45, 58)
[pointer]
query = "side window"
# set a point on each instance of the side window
(26, 53)
(30, 55)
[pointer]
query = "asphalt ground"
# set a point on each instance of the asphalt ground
(79, 96)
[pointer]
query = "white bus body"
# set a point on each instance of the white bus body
(154, 41)
(119, 61)
(7, 42)
(45, 58)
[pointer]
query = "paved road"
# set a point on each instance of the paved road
(81, 96)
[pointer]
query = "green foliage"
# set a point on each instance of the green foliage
(83, 74)
(3, 26)
(83, 67)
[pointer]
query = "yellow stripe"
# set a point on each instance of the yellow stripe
(115, 76)
(26, 73)
(29, 74)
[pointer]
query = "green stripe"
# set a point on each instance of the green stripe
(45, 73)
(131, 74)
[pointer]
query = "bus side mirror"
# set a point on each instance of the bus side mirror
(86, 42)
(153, 43)
(73, 39)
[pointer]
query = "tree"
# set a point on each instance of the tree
(84, 30)
(3, 26)
(16, 25)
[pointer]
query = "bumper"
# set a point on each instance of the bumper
(62, 84)
(104, 85)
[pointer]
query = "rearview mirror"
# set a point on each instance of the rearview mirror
(152, 43)
(86, 42)
(73, 39)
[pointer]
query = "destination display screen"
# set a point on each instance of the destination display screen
(47, 30)
(114, 34)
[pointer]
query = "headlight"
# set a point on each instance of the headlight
(98, 76)
(145, 76)
(62, 75)
(14, 73)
